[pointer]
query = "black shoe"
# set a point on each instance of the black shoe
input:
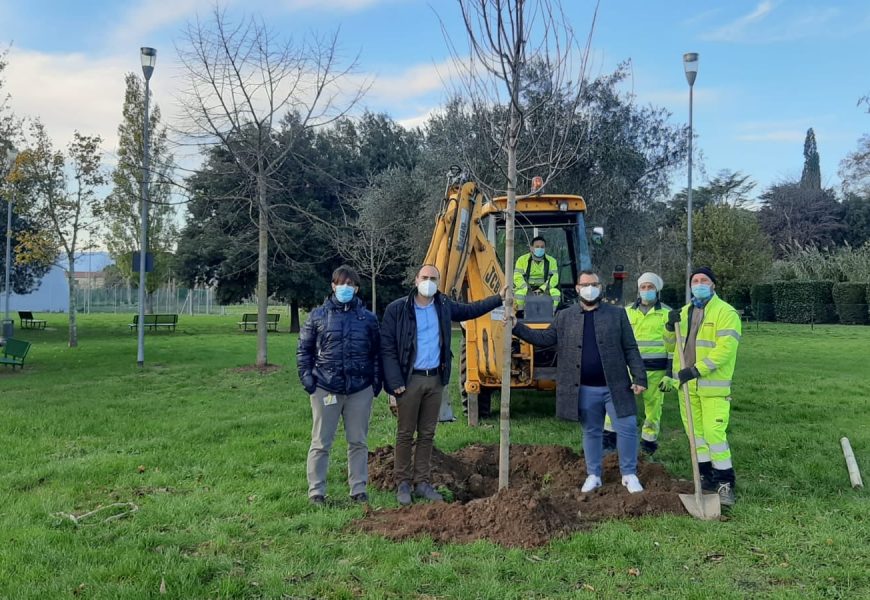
(726, 494)
(361, 498)
(649, 448)
(317, 500)
(427, 492)
(708, 480)
(403, 493)
(609, 441)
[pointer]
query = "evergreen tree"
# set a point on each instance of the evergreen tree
(811, 178)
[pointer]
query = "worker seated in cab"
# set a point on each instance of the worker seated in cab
(536, 273)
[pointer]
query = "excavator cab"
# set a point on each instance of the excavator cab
(467, 247)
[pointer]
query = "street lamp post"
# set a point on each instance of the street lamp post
(149, 59)
(690, 63)
(7, 323)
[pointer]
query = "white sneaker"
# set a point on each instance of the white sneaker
(593, 482)
(632, 484)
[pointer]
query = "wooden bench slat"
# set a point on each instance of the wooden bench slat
(14, 353)
(250, 319)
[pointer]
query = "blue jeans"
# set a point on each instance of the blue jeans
(594, 403)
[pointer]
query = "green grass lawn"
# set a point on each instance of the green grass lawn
(215, 460)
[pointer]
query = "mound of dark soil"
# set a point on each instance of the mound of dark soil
(542, 502)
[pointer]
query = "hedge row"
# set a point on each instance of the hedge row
(811, 302)
(798, 301)
(850, 299)
(804, 301)
(761, 295)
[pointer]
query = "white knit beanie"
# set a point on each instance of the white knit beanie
(650, 277)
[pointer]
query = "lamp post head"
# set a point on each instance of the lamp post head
(149, 59)
(690, 63)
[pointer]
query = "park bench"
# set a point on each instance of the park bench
(249, 322)
(27, 321)
(14, 353)
(156, 321)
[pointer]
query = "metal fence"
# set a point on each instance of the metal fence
(168, 299)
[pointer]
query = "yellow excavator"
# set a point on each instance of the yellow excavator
(467, 247)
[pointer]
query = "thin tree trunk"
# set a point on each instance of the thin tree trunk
(262, 274)
(374, 282)
(294, 315)
(73, 327)
(504, 445)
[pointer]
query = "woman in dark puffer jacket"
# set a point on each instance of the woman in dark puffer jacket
(340, 367)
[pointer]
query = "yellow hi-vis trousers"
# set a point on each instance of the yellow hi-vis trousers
(653, 399)
(710, 418)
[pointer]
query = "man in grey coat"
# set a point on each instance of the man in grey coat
(596, 351)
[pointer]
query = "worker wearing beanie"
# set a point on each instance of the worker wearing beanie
(648, 317)
(711, 333)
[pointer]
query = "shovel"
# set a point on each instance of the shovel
(699, 505)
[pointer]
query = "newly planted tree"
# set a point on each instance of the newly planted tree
(521, 70)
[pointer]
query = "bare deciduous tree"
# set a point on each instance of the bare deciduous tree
(243, 79)
(523, 72)
(376, 236)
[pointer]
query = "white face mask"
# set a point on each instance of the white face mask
(590, 293)
(427, 288)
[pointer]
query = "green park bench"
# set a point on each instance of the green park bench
(14, 353)
(156, 322)
(249, 322)
(27, 321)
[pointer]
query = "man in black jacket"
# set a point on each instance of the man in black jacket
(600, 370)
(415, 346)
(340, 367)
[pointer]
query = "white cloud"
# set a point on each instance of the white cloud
(144, 19)
(418, 120)
(756, 28)
(737, 29)
(412, 82)
(68, 92)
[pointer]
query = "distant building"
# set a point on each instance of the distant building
(52, 295)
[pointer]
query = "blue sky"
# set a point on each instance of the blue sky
(769, 69)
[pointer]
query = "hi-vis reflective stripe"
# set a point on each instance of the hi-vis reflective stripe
(716, 384)
(649, 344)
(722, 464)
(710, 364)
(719, 448)
(654, 355)
(732, 332)
(700, 442)
(705, 344)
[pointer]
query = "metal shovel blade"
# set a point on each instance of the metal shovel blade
(705, 506)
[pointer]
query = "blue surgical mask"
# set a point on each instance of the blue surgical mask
(539, 252)
(648, 295)
(702, 291)
(344, 293)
